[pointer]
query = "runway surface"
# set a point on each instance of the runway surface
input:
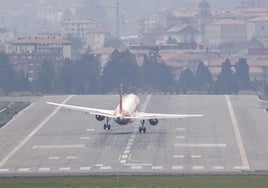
(45, 140)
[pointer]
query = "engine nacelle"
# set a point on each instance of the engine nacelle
(100, 118)
(153, 122)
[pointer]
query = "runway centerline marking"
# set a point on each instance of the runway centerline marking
(238, 137)
(31, 134)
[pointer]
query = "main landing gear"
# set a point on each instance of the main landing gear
(107, 125)
(142, 128)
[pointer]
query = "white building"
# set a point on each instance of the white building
(88, 30)
(258, 28)
(40, 47)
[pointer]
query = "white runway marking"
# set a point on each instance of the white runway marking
(218, 167)
(180, 137)
(126, 152)
(124, 156)
(180, 129)
(44, 169)
(4, 170)
(54, 158)
(90, 130)
(23, 169)
(239, 141)
(200, 145)
(84, 138)
(123, 161)
(136, 167)
(157, 167)
(85, 168)
(241, 168)
(64, 168)
(177, 167)
(105, 168)
(31, 134)
(198, 167)
(71, 157)
(137, 164)
(58, 146)
(196, 156)
(98, 165)
(178, 156)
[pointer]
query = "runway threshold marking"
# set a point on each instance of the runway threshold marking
(238, 137)
(31, 134)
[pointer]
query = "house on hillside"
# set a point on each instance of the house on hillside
(226, 31)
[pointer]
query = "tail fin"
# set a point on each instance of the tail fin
(121, 98)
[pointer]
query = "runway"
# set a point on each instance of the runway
(45, 140)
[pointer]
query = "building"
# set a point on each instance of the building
(40, 47)
(87, 30)
(27, 54)
(258, 29)
(185, 34)
(225, 31)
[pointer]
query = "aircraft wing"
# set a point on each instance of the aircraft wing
(144, 116)
(94, 111)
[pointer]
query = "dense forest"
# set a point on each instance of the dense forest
(85, 76)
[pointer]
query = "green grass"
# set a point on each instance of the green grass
(139, 182)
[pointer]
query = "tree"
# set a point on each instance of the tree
(156, 75)
(121, 68)
(10, 80)
(186, 81)
(203, 78)
(242, 74)
(79, 77)
(225, 83)
(45, 80)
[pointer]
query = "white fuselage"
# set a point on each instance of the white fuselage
(130, 104)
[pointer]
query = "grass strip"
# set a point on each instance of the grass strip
(138, 181)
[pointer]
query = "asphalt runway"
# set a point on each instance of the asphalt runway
(45, 140)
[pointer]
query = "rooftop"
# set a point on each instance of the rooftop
(262, 18)
(41, 41)
(227, 22)
(79, 21)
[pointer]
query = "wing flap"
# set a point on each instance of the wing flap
(142, 115)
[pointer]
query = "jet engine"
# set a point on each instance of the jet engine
(153, 122)
(100, 118)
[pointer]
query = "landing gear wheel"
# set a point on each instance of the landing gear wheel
(142, 129)
(109, 127)
(104, 126)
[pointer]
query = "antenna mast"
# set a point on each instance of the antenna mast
(117, 20)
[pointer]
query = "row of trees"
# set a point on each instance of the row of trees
(84, 76)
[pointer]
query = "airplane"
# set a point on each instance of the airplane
(126, 112)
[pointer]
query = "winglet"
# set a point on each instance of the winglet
(121, 98)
